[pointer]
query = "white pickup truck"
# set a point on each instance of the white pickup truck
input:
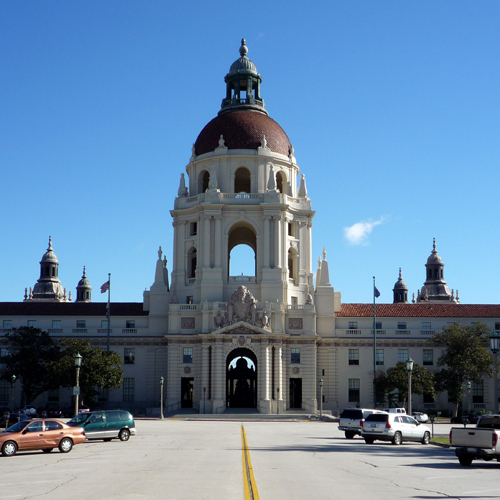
(477, 443)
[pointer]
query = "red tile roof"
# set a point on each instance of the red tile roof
(422, 310)
(71, 309)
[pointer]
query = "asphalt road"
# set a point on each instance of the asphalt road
(182, 459)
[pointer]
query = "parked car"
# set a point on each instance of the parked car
(106, 425)
(70, 411)
(29, 410)
(420, 416)
(351, 420)
(52, 413)
(394, 427)
(42, 435)
(465, 418)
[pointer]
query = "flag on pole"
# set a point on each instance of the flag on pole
(105, 287)
(375, 291)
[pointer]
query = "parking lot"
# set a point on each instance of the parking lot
(197, 459)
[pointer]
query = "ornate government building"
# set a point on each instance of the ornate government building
(263, 341)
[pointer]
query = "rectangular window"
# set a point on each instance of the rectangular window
(478, 392)
(80, 323)
(32, 323)
(497, 326)
(129, 356)
(354, 356)
(128, 389)
(295, 301)
(53, 395)
(428, 357)
(4, 352)
(401, 325)
(104, 324)
(291, 229)
(193, 228)
(5, 392)
(187, 356)
(354, 390)
(189, 299)
(426, 325)
(379, 356)
(56, 324)
(353, 325)
(130, 324)
(295, 355)
(7, 324)
(378, 325)
(428, 398)
(403, 355)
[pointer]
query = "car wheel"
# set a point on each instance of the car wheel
(47, 450)
(349, 434)
(124, 435)
(427, 438)
(397, 439)
(369, 440)
(465, 461)
(66, 445)
(9, 449)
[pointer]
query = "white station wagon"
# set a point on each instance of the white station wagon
(395, 428)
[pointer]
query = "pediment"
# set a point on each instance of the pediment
(241, 328)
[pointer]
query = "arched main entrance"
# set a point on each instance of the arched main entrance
(241, 379)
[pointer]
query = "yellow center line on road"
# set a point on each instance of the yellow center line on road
(249, 485)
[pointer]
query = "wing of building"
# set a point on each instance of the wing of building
(264, 341)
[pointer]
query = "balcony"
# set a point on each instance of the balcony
(79, 330)
(427, 332)
(242, 279)
(379, 332)
(403, 332)
(353, 332)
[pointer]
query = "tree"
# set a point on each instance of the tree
(396, 378)
(101, 369)
(465, 358)
(30, 351)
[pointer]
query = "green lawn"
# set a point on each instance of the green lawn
(442, 440)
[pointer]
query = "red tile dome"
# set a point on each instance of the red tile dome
(242, 130)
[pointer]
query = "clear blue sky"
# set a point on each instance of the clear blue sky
(392, 108)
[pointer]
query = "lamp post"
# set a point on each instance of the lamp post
(494, 349)
(321, 399)
(12, 384)
(204, 395)
(161, 398)
(409, 369)
(76, 389)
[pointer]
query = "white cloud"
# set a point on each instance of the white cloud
(358, 233)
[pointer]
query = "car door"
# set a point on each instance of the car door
(53, 433)
(32, 436)
(414, 428)
(95, 426)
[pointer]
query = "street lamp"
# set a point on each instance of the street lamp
(321, 398)
(161, 398)
(12, 384)
(409, 369)
(76, 389)
(494, 349)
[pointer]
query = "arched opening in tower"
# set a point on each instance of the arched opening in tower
(242, 252)
(281, 183)
(203, 181)
(242, 181)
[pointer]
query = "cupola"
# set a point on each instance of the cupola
(83, 289)
(400, 291)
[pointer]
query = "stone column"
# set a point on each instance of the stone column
(267, 242)
(277, 242)
(218, 377)
(218, 241)
(206, 241)
(278, 372)
(173, 388)
(264, 378)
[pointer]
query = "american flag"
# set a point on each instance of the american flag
(105, 287)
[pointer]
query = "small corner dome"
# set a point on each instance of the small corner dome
(434, 257)
(243, 64)
(400, 284)
(49, 255)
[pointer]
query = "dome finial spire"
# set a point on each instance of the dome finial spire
(243, 48)
(433, 244)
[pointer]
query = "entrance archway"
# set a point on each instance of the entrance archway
(241, 379)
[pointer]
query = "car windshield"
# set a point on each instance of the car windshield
(79, 419)
(377, 417)
(18, 427)
(351, 414)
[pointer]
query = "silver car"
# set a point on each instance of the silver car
(395, 428)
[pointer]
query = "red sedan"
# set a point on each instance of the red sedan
(43, 434)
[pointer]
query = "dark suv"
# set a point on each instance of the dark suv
(351, 420)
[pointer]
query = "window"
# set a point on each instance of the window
(3, 354)
(426, 325)
(104, 324)
(428, 398)
(295, 355)
(497, 326)
(187, 355)
(80, 323)
(403, 355)
(7, 324)
(378, 325)
(291, 229)
(129, 356)
(478, 392)
(354, 356)
(5, 392)
(295, 301)
(401, 325)
(353, 325)
(354, 390)
(128, 389)
(32, 323)
(56, 324)
(193, 228)
(53, 395)
(130, 324)
(428, 357)
(379, 356)
(189, 299)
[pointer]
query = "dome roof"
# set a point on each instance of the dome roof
(243, 64)
(434, 258)
(49, 255)
(84, 282)
(242, 130)
(400, 284)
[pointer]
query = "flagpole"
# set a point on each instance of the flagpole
(108, 311)
(374, 348)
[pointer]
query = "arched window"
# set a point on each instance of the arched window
(242, 180)
(191, 263)
(281, 185)
(203, 181)
(292, 264)
(242, 252)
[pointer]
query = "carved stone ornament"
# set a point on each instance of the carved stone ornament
(187, 323)
(187, 369)
(295, 323)
(242, 306)
(241, 341)
(295, 370)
